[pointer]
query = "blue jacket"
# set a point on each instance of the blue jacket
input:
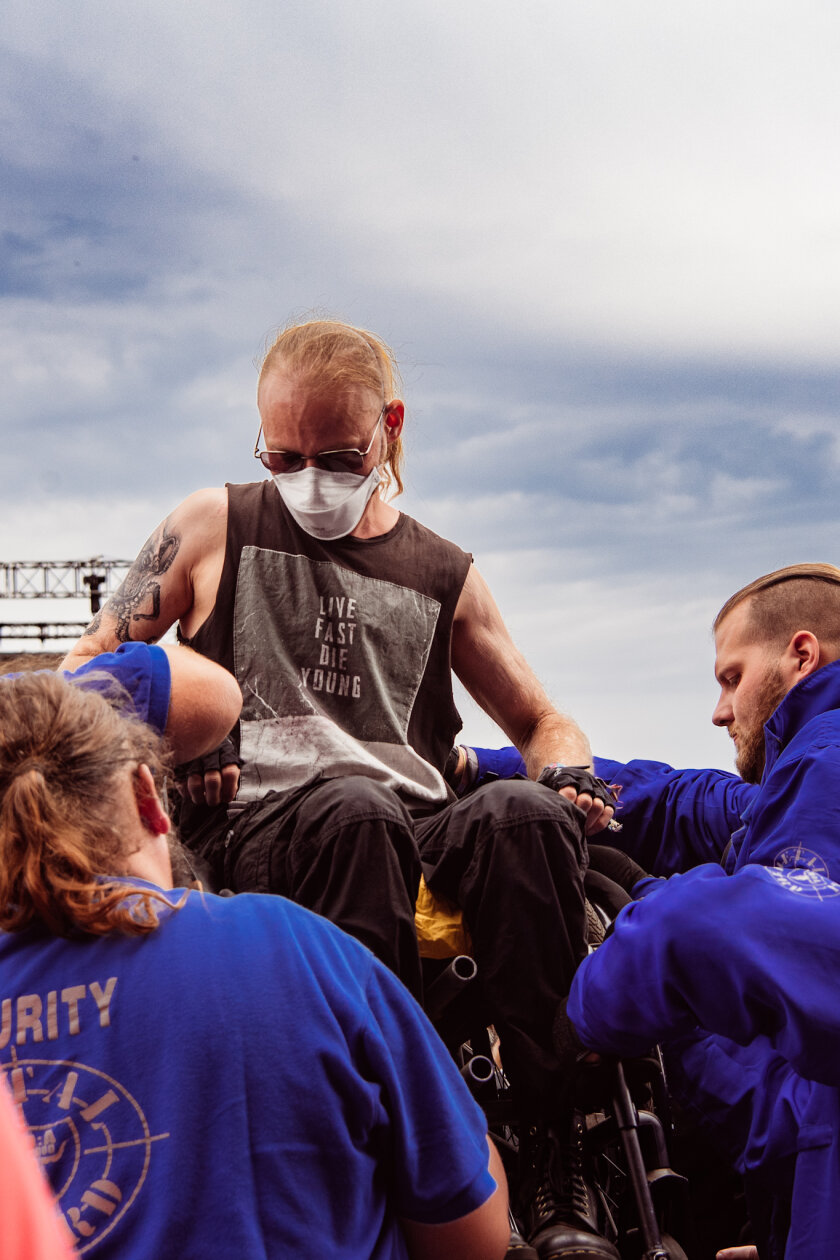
(794, 820)
(671, 819)
(738, 972)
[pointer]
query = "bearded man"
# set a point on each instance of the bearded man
(734, 965)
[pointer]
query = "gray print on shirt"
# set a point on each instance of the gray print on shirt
(330, 662)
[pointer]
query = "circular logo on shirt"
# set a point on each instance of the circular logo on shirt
(796, 855)
(804, 881)
(92, 1139)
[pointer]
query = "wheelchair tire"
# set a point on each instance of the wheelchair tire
(675, 1251)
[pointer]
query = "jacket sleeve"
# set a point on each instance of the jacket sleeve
(498, 763)
(750, 955)
(672, 820)
(140, 671)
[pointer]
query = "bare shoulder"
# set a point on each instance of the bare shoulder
(476, 602)
(202, 516)
(187, 537)
(175, 577)
(203, 524)
(211, 498)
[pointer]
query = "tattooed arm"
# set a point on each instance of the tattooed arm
(174, 578)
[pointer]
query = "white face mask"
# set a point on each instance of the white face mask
(327, 505)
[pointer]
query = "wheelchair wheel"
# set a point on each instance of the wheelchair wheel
(675, 1251)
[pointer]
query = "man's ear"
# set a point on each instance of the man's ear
(394, 419)
(802, 656)
(152, 814)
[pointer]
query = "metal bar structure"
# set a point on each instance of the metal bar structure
(93, 580)
(44, 631)
(60, 579)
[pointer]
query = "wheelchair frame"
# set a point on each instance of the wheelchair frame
(620, 1118)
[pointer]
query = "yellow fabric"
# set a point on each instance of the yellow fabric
(440, 926)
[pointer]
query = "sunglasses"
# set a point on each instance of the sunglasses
(348, 459)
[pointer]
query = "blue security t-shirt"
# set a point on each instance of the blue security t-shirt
(245, 1081)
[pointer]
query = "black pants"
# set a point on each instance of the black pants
(344, 848)
(511, 855)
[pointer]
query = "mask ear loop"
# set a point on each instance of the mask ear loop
(388, 422)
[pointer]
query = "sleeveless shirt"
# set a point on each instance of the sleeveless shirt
(341, 648)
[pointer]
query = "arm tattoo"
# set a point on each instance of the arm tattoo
(95, 624)
(140, 587)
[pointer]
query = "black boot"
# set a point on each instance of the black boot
(518, 1248)
(558, 1208)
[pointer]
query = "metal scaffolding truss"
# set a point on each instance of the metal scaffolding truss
(43, 631)
(60, 579)
(93, 580)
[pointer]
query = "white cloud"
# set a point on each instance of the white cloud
(820, 432)
(604, 239)
(633, 176)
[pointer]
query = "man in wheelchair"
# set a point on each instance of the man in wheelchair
(343, 620)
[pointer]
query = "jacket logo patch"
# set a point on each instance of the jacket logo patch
(796, 855)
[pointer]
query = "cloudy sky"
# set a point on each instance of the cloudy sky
(603, 238)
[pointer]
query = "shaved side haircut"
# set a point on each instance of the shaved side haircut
(799, 597)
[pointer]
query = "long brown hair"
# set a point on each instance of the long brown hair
(64, 751)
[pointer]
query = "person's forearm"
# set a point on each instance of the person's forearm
(100, 636)
(204, 705)
(554, 737)
(743, 956)
(82, 651)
